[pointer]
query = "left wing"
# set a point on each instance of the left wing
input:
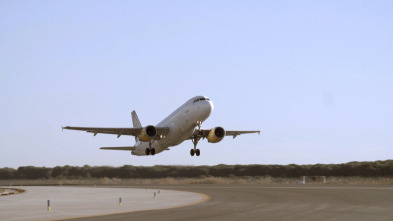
(118, 148)
(117, 131)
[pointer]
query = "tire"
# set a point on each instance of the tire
(192, 152)
(147, 151)
(153, 151)
(197, 152)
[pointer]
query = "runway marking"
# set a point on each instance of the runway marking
(205, 197)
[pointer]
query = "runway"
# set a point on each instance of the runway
(255, 202)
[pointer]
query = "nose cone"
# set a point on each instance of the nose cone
(207, 108)
(211, 106)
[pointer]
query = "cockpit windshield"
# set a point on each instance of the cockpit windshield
(201, 99)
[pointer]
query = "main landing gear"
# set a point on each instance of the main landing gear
(196, 139)
(150, 150)
(195, 151)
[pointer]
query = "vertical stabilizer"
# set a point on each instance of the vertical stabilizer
(135, 120)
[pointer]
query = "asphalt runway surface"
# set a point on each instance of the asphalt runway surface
(261, 202)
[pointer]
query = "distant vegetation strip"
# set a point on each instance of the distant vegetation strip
(358, 169)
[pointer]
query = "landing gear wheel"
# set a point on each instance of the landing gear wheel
(192, 152)
(153, 151)
(197, 152)
(147, 151)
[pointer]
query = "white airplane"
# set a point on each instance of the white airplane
(183, 124)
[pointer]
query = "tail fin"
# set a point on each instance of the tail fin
(135, 123)
(135, 120)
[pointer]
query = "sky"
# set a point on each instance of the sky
(314, 76)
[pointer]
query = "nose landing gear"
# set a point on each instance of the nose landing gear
(196, 139)
(195, 151)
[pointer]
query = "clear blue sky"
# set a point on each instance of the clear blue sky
(314, 76)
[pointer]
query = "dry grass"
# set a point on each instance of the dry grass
(360, 180)
(204, 180)
(11, 191)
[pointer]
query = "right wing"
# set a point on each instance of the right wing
(118, 131)
(234, 133)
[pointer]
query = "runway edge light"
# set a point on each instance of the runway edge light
(48, 205)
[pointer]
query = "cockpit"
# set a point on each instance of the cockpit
(201, 99)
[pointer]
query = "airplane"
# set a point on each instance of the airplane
(183, 124)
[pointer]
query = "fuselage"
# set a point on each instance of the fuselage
(181, 124)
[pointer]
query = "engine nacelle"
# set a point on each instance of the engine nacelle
(148, 133)
(216, 135)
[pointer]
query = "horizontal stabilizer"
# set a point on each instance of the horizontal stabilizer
(118, 148)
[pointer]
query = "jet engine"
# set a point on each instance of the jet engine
(216, 135)
(148, 133)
